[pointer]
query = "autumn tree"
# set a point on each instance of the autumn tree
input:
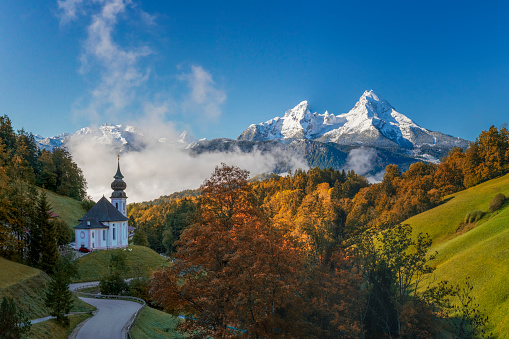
(336, 297)
(233, 274)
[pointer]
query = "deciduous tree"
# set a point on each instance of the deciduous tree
(232, 274)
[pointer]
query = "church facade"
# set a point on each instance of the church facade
(105, 226)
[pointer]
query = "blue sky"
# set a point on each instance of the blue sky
(215, 67)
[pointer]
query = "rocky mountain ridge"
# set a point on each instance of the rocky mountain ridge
(372, 122)
(372, 126)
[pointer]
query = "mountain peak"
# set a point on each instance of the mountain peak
(373, 103)
(299, 110)
(373, 121)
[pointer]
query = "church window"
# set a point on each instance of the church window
(113, 233)
(116, 205)
(104, 234)
(93, 234)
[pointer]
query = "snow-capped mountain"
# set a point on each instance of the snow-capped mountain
(122, 138)
(371, 122)
(50, 143)
(372, 131)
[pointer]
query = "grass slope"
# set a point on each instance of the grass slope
(67, 208)
(27, 287)
(155, 324)
(481, 253)
(51, 329)
(140, 259)
(13, 272)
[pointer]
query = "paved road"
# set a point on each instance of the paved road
(112, 315)
(75, 286)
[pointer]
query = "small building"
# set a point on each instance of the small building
(105, 226)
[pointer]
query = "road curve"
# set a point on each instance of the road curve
(112, 315)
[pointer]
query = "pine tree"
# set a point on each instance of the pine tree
(49, 235)
(140, 238)
(58, 297)
(14, 323)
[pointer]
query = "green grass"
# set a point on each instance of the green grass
(68, 209)
(442, 222)
(155, 324)
(140, 259)
(51, 329)
(12, 272)
(27, 287)
(482, 253)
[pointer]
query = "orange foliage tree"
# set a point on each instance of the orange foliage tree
(233, 275)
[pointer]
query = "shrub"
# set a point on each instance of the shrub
(497, 202)
(473, 216)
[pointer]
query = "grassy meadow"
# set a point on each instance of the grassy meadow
(141, 260)
(68, 209)
(155, 324)
(482, 253)
(51, 329)
(27, 287)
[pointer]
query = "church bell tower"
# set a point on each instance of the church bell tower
(118, 197)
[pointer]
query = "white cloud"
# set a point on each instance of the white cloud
(120, 91)
(362, 161)
(204, 98)
(161, 169)
(117, 72)
(69, 10)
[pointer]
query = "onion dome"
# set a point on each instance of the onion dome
(118, 185)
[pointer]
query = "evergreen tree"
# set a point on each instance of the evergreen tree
(58, 297)
(114, 282)
(7, 133)
(46, 176)
(64, 233)
(140, 238)
(70, 180)
(14, 323)
(48, 229)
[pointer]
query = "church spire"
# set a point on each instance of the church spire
(118, 185)
(118, 175)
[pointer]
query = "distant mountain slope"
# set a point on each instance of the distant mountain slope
(371, 122)
(481, 253)
(122, 138)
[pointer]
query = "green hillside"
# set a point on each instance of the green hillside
(155, 324)
(67, 208)
(481, 253)
(27, 286)
(93, 266)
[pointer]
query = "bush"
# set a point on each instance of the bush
(497, 202)
(473, 216)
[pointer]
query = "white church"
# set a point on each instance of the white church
(105, 225)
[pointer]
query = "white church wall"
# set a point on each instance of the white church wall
(82, 238)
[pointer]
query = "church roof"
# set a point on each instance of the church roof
(103, 211)
(90, 223)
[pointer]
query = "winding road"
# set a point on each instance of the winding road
(110, 319)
